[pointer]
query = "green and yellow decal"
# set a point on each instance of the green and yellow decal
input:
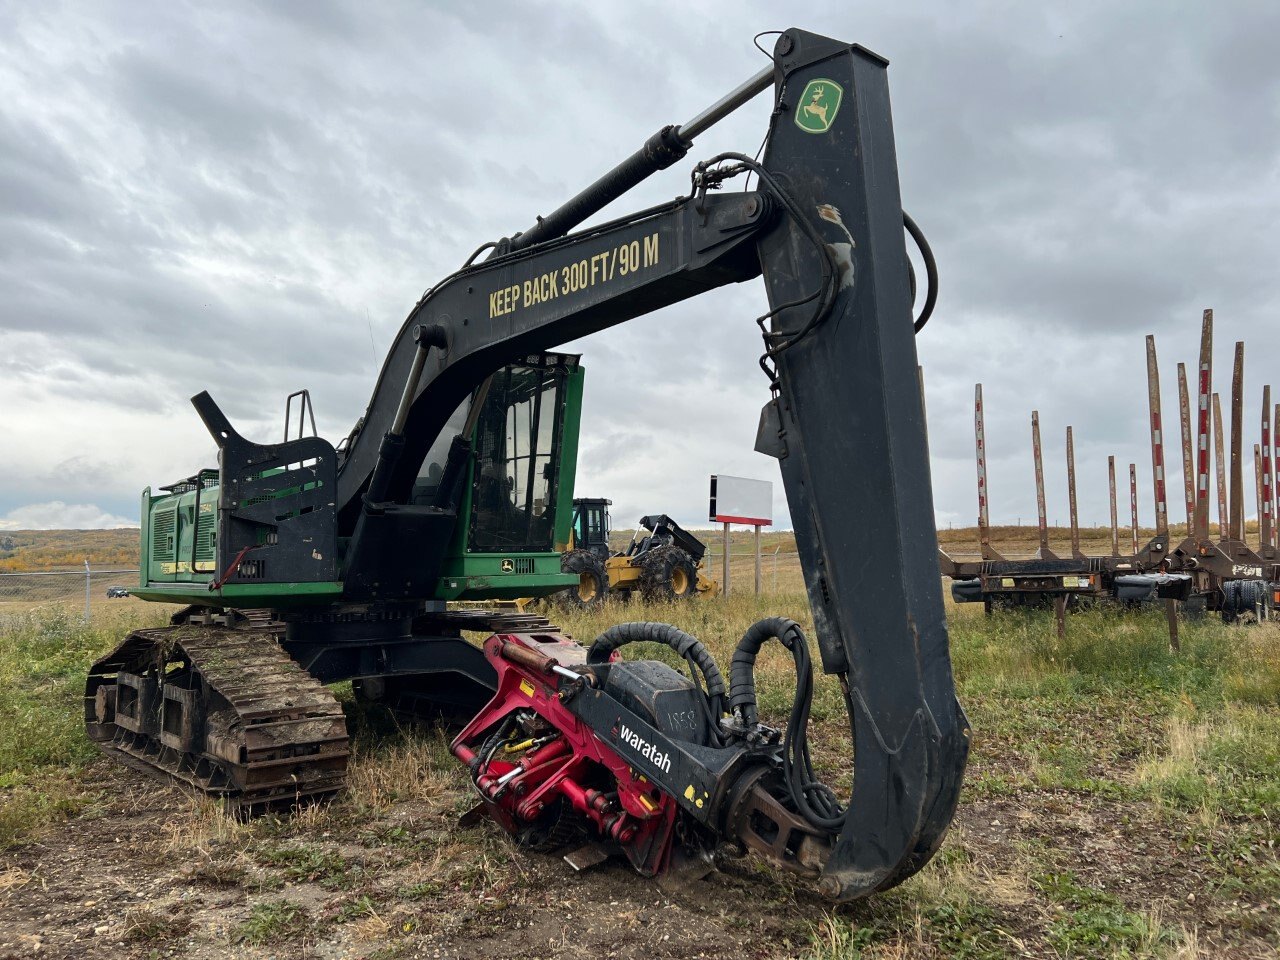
(818, 105)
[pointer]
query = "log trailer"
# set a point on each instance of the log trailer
(1222, 573)
(303, 563)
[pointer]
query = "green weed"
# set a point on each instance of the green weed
(307, 863)
(837, 939)
(273, 922)
(1097, 924)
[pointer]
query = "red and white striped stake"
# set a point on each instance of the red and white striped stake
(1257, 489)
(1275, 472)
(1202, 426)
(1157, 438)
(1266, 518)
(1188, 469)
(1237, 445)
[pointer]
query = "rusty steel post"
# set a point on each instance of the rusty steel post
(1133, 503)
(1071, 496)
(1257, 489)
(1060, 614)
(980, 448)
(1044, 552)
(1115, 520)
(1220, 460)
(1275, 488)
(1237, 445)
(1205, 381)
(1157, 439)
(1266, 520)
(1171, 615)
(1188, 471)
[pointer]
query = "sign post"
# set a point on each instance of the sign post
(740, 500)
(726, 545)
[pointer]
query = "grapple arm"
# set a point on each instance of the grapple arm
(847, 425)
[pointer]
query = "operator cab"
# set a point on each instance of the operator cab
(515, 468)
(591, 525)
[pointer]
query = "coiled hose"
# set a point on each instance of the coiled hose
(701, 664)
(813, 799)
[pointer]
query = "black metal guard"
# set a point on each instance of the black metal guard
(275, 505)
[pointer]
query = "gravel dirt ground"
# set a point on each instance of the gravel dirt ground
(148, 871)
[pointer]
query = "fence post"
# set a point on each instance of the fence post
(1171, 614)
(775, 568)
(758, 584)
(87, 587)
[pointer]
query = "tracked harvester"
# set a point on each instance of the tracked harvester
(304, 564)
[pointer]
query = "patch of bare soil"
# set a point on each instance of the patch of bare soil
(151, 873)
(117, 882)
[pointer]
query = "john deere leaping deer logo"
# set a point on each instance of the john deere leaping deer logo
(818, 106)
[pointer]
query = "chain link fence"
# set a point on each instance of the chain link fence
(84, 590)
(779, 569)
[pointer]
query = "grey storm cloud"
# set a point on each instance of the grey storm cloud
(250, 199)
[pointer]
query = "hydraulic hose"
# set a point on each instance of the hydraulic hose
(813, 800)
(930, 269)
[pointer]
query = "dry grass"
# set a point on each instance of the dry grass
(408, 770)
(13, 878)
(146, 925)
(1180, 758)
(1078, 736)
(1255, 676)
(203, 825)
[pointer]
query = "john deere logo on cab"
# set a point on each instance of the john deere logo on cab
(818, 106)
(508, 566)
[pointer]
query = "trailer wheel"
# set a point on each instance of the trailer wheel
(1247, 601)
(593, 583)
(1230, 608)
(668, 573)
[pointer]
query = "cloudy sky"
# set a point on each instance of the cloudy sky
(249, 199)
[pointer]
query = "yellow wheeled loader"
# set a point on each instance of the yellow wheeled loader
(663, 561)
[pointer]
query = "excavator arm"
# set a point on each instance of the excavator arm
(824, 226)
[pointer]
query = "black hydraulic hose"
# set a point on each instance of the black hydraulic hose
(813, 800)
(778, 343)
(687, 646)
(930, 268)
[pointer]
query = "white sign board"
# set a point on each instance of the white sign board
(739, 500)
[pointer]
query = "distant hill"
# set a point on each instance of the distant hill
(22, 550)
